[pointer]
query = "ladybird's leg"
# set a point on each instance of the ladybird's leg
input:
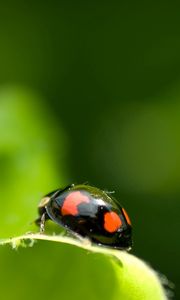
(41, 211)
(42, 222)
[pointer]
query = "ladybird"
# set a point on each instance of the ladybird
(88, 212)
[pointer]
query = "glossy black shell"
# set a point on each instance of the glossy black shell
(89, 221)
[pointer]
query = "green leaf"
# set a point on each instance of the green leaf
(30, 147)
(29, 155)
(134, 279)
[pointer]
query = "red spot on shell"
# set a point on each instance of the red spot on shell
(72, 201)
(126, 216)
(112, 221)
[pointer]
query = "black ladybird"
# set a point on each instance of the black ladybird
(88, 212)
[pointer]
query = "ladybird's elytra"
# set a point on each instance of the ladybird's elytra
(88, 212)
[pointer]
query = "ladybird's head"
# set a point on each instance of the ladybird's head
(45, 200)
(42, 205)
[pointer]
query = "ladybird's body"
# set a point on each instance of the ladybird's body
(89, 212)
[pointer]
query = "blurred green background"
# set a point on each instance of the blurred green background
(89, 91)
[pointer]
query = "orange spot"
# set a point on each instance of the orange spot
(71, 202)
(112, 221)
(126, 216)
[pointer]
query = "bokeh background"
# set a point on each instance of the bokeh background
(89, 91)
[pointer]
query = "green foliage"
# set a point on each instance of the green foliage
(28, 156)
(128, 277)
(52, 270)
